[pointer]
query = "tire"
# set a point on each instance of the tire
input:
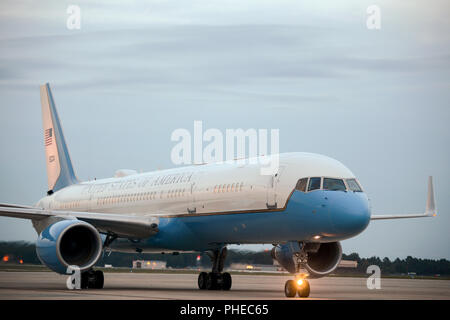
(84, 280)
(211, 281)
(304, 289)
(99, 279)
(226, 281)
(202, 279)
(290, 289)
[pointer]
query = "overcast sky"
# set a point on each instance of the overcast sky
(376, 100)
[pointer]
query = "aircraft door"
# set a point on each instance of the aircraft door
(273, 182)
(192, 208)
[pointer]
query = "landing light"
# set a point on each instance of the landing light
(299, 282)
(316, 237)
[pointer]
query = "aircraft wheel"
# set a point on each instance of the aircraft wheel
(84, 280)
(304, 289)
(202, 279)
(211, 281)
(290, 289)
(99, 280)
(92, 280)
(226, 281)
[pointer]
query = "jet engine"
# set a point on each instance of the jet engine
(69, 243)
(322, 258)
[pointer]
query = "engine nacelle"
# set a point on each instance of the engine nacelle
(322, 259)
(69, 242)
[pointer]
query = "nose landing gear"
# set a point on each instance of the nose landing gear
(299, 285)
(216, 279)
(294, 287)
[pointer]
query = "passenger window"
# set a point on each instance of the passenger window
(353, 185)
(334, 184)
(301, 184)
(314, 184)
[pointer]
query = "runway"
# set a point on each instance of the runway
(48, 285)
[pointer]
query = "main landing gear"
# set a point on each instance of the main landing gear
(92, 279)
(216, 279)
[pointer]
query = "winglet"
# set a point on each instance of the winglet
(431, 207)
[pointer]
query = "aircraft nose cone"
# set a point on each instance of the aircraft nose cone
(350, 214)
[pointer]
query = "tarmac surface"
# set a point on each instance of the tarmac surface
(155, 286)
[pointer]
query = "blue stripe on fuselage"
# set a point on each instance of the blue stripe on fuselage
(334, 215)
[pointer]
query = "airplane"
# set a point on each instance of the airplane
(305, 209)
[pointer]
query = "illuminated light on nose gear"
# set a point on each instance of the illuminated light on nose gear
(316, 237)
(299, 282)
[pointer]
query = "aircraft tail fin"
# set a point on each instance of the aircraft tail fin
(60, 171)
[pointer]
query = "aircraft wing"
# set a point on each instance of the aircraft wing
(129, 226)
(430, 209)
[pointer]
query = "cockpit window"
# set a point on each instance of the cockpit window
(334, 184)
(353, 185)
(301, 184)
(314, 184)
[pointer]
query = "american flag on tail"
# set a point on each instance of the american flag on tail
(48, 136)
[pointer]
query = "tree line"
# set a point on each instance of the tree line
(25, 251)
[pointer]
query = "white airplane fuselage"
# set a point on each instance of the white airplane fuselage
(204, 206)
